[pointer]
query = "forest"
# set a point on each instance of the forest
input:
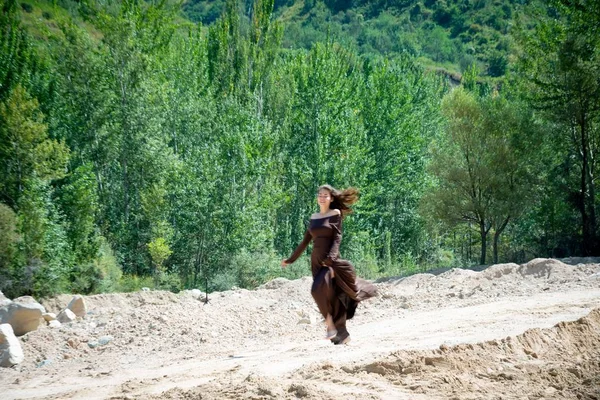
(172, 146)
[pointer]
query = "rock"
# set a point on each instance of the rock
(145, 289)
(23, 314)
(66, 316)
(11, 352)
(54, 324)
(103, 341)
(4, 300)
(196, 294)
(44, 363)
(77, 305)
(73, 343)
(49, 317)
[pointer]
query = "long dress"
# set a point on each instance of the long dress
(339, 295)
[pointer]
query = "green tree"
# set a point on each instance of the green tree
(560, 63)
(9, 240)
(481, 166)
(134, 40)
(25, 148)
(401, 115)
(15, 48)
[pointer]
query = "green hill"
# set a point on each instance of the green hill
(451, 34)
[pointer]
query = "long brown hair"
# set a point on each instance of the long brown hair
(342, 199)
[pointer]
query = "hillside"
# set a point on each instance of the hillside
(450, 34)
(510, 331)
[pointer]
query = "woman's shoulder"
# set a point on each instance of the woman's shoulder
(332, 213)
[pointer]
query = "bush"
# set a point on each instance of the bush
(85, 278)
(8, 240)
(254, 269)
(167, 281)
(368, 268)
(222, 281)
(134, 283)
(498, 63)
(110, 271)
(28, 8)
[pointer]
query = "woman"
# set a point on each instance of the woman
(336, 289)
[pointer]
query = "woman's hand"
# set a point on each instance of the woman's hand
(284, 264)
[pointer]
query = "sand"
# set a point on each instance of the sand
(511, 331)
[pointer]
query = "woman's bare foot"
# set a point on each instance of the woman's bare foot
(331, 331)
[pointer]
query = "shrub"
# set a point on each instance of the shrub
(134, 283)
(8, 238)
(254, 269)
(28, 8)
(86, 278)
(110, 271)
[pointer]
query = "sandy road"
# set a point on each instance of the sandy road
(280, 357)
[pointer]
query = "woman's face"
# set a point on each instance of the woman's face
(324, 198)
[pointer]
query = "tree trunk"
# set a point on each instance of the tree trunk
(483, 232)
(586, 202)
(497, 238)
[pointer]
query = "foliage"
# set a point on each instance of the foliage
(560, 60)
(482, 167)
(141, 150)
(9, 240)
(445, 32)
(25, 147)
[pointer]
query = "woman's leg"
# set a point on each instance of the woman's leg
(323, 292)
(340, 312)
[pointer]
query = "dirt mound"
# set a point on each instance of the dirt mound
(497, 281)
(252, 387)
(266, 343)
(556, 363)
(276, 283)
(499, 270)
(547, 268)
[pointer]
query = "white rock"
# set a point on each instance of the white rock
(54, 324)
(77, 305)
(196, 294)
(103, 341)
(23, 314)
(11, 352)
(49, 316)
(66, 316)
(4, 300)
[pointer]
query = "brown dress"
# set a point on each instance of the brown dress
(337, 296)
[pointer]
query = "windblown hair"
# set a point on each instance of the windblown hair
(342, 199)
